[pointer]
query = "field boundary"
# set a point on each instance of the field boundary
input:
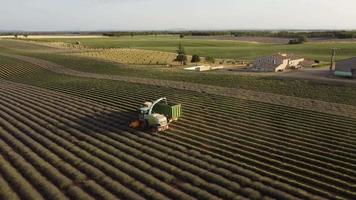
(289, 101)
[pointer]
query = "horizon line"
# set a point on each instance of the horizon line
(170, 30)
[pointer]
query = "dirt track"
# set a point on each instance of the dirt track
(296, 102)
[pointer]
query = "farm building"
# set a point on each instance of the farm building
(277, 63)
(346, 68)
(203, 68)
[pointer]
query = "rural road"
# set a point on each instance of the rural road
(295, 102)
(314, 74)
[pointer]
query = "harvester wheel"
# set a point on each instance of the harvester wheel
(154, 130)
(143, 124)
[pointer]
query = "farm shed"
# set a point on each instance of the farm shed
(346, 68)
(204, 68)
(277, 63)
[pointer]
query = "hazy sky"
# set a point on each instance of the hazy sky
(50, 15)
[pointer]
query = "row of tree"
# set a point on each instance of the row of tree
(182, 33)
(17, 36)
(281, 34)
(291, 34)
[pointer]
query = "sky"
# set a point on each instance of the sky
(93, 15)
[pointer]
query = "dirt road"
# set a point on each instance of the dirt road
(315, 74)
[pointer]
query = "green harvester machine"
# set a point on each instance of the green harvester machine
(156, 116)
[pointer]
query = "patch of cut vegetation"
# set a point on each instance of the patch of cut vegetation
(131, 56)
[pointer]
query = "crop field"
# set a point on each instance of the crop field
(231, 49)
(131, 56)
(125, 56)
(66, 137)
(15, 45)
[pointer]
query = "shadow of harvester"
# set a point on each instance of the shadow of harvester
(105, 122)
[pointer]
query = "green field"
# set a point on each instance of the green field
(341, 93)
(218, 48)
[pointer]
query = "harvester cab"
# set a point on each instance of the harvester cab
(156, 115)
(143, 110)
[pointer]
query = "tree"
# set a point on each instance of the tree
(210, 59)
(25, 35)
(181, 35)
(16, 36)
(300, 40)
(293, 41)
(195, 59)
(181, 57)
